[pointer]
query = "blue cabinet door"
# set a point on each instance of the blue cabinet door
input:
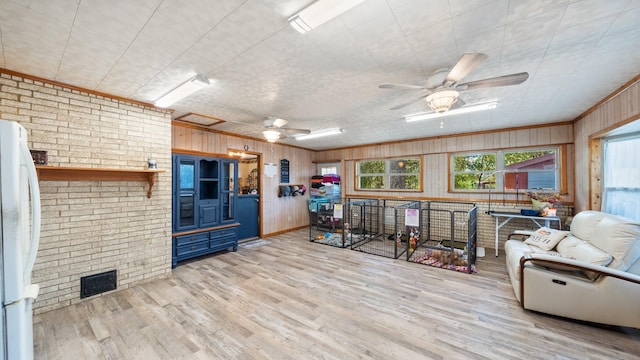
(229, 191)
(184, 193)
(208, 214)
(247, 216)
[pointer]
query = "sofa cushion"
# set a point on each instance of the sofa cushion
(584, 224)
(615, 235)
(584, 251)
(546, 238)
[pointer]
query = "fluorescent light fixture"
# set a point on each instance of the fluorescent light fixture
(319, 13)
(271, 135)
(191, 86)
(462, 110)
(319, 133)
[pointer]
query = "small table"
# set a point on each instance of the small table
(509, 215)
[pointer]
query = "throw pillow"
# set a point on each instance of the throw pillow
(546, 238)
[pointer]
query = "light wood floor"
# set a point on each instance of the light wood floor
(292, 299)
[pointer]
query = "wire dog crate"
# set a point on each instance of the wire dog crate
(326, 220)
(382, 223)
(337, 222)
(447, 237)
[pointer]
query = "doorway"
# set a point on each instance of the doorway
(248, 210)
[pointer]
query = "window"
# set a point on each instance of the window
(328, 170)
(506, 170)
(621, 171)
(389, 174)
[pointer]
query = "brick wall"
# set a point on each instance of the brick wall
(487, 223)
(93, 226)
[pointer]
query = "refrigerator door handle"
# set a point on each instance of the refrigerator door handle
(34, 188)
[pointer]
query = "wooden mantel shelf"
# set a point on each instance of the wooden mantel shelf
(93, 174)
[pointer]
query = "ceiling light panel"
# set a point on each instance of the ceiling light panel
(320, 12)
(320, 133)
(194, 84)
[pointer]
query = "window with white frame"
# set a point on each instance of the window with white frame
(621, 176)
(511, 169)
(389, 174)
(324, 170)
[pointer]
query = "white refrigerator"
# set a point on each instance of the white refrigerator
(19, 235)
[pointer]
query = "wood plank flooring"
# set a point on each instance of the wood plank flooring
(292, 299)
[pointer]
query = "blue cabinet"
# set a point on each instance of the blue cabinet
(204, 205)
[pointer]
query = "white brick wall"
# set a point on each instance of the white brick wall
(487, 223)
(94, 226)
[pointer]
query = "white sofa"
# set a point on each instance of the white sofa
(591, 274)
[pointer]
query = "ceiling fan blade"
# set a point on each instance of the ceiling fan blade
(458, 104)
(505, 80)
(407, 103)
(466, 64)
(290, 131)
(402, 86)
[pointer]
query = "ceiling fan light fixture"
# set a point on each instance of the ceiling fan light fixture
(271, 135)
(441, 101)
(320, 133)
(320, 12)
(463, 110)
(189, 87)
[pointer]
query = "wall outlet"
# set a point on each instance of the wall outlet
(289, 218)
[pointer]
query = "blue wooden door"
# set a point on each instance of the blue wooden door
(247, 216)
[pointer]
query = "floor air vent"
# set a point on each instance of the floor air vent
(98, 283)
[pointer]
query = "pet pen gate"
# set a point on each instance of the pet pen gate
(381, 230)
(336, 222)
(448, 235)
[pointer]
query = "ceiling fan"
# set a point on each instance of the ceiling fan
(442, 95)
(276, 127)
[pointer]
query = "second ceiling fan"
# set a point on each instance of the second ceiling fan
(276, 127)
(444, 95)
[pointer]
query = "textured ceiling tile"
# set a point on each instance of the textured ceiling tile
(522, 30)
(115, 15)
(582, 11)
(32, 42)
(525, 9)
(480, 19)
(627, 21)
(588, 32)
(576, 53)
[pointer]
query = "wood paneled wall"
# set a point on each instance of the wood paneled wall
(576, 138)
(620, 108)
(435, 159)
(435, 156)
(277, 214)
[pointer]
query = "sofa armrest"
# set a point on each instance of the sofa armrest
(521, 233)
(554, 261)
(551, 260)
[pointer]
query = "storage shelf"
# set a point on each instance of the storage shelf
(61, 173)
